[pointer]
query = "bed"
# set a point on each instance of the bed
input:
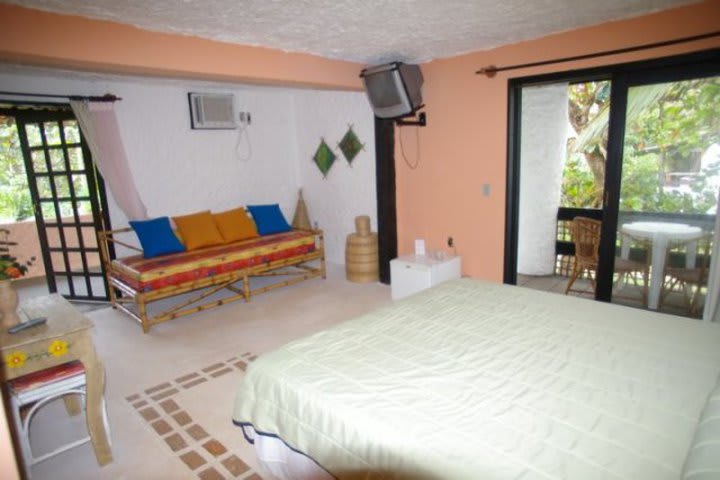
(475, 380)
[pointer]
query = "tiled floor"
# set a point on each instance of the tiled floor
(35, 287)
(203, 454)
(623, 294)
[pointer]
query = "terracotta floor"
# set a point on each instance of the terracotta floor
(626, 294)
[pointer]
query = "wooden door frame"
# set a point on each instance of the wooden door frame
(39, 112)
(386, 195)
(619, 74)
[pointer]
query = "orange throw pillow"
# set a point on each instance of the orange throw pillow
(198, 230)
(235, 225)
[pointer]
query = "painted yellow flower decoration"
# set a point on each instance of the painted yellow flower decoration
(58, 348)
(15, 359)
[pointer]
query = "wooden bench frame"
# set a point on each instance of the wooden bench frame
(123, 296)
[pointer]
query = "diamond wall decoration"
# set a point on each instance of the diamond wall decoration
(324, 157)
(350, 145)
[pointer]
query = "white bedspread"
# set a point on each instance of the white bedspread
(474, 380)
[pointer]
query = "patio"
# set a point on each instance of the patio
(626, 294)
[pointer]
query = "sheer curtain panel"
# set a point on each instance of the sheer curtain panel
(99, 125)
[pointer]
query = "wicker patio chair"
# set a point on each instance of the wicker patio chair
(690, 280)
(585, 233)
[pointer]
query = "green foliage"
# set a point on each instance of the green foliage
(15, 202)
(668, 128)
(578, 185)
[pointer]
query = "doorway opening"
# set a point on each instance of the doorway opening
(52, 200)
(635, 147)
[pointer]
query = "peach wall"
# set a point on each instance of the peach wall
(34, 37)
(464, 144)
(8, 465)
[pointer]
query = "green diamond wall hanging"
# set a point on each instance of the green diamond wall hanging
(324, 157)
(350, 145)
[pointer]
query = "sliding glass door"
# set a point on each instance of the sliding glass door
(665, 154)
(638, 152)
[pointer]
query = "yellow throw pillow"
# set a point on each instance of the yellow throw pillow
(198, 230)
(235, 225)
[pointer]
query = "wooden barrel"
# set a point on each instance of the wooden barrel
(361, 258)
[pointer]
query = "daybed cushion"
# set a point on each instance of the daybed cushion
(198, 230)
(145, 275)
(156, 237)
(269, 219)
(235, 225)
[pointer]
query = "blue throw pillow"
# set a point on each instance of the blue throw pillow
(156, 237)
(269, 219)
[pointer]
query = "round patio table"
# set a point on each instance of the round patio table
(660, 234)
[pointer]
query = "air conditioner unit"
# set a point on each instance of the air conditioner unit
(212, 111)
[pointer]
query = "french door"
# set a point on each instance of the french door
(68, 199)
(663, 140)
(653, 169)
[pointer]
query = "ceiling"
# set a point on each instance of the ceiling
(368, 32)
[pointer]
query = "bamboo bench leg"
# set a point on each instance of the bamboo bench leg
(246, 288)
(142, 313)
(322, 257)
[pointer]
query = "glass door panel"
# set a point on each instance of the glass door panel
(668, 196)
(68, 199)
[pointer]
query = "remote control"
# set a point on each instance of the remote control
(33, 322)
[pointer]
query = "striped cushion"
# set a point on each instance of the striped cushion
(47, 376)
(703, 460)
(148, 274)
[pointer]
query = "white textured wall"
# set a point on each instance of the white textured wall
(348, 190)
(179, 170)
(542, 156)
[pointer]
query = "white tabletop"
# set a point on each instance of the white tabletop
(669, 230)
(660, 234)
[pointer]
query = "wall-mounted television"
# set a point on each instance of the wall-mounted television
(394, 89)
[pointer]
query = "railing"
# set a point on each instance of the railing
(25, 235)
(565, 250)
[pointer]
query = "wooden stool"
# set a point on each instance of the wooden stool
(361, 253)
(39, 388)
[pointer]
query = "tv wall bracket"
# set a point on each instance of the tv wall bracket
(420, 122)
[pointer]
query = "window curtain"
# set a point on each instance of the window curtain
(99, 126)
(712, 301)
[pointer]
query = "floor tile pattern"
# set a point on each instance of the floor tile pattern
(204, 455)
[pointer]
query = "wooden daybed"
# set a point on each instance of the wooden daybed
(135, 281)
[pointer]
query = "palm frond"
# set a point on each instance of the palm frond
(639, 99)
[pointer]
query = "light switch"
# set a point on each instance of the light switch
(486, 189)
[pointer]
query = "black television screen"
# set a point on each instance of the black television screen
(394, 89)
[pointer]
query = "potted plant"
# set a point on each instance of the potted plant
(10, 269)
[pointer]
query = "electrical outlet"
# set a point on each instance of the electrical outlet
(450, 242)
(244, 118)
